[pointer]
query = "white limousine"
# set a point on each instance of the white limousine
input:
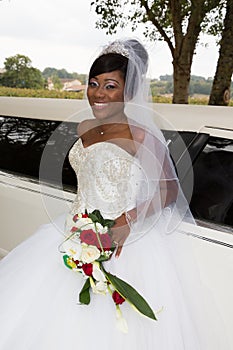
(200, 140)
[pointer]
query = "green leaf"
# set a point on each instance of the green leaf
(109, 223)
(96, 216)
(131, 295)
(65, 259)
(84, 295)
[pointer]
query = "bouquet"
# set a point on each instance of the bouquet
(87, 246)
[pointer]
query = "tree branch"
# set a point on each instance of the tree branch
(155, 22)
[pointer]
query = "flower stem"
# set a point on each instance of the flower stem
(98, 237)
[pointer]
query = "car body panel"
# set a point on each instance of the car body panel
(26, 203)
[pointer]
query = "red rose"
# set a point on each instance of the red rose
(76, 262)
(84, 215)
(75, 217)
(89, 237)
(118, 299)
(105, 241)
(88, 269)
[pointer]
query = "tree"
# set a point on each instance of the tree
(177, 22)
(220, 93)
(49, 72)
(19, 73)
(56, 82)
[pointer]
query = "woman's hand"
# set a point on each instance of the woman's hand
(120, 232)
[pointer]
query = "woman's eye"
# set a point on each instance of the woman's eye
(93, 83)
(110, 86)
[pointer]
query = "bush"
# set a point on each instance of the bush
(17, 92)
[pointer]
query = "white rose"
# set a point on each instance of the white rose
(84, 223)
(101, 229)
(89, 253)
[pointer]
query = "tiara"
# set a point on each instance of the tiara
(116, 47)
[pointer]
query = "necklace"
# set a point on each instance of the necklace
(103, 132)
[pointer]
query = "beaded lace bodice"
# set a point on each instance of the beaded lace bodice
(107, 177)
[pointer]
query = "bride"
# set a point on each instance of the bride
(123, 170)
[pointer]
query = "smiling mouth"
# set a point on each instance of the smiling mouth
(99, 105)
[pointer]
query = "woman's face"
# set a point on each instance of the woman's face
(105, 94)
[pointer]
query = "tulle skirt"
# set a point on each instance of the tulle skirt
(39, 309)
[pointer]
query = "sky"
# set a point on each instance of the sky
(62, 34)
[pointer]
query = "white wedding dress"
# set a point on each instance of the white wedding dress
(38, 294)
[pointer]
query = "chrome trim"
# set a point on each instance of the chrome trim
(29, 179)
(218, 128)
(210, 240)
(201, 223)
(35, 191)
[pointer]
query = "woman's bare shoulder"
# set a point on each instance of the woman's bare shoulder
(138, 133)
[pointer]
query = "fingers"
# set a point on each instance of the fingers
(119, 245)
(120, 233)
(118, 251)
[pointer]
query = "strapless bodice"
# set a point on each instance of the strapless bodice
(107, 176)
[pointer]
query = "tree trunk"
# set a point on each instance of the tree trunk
(184, 48)
(178, 23)
(181, 80)
(220, 93)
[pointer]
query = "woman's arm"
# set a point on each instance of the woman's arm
(121, 229)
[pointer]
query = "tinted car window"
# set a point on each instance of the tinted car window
(212, 198)
(22, 142)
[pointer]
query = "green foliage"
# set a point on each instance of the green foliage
(213, 22)
(159, 87)
(56, 82)
(84, 295)
(42, 93)
(96, 216)
(63, 74)
(198, 85)
(20, 74)
(5, 91)
(131, 295)
(178, 23)
(157, 16)
(166, 77)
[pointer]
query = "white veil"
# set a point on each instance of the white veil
(159, 187)
(160, 194)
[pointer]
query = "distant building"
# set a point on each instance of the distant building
(50, 84)
(73, 85)
(2, 70)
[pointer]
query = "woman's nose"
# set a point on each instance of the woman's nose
(99, 92)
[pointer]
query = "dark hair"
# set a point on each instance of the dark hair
(112, 61)
(108, 63)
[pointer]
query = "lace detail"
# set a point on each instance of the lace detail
(107, 177)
